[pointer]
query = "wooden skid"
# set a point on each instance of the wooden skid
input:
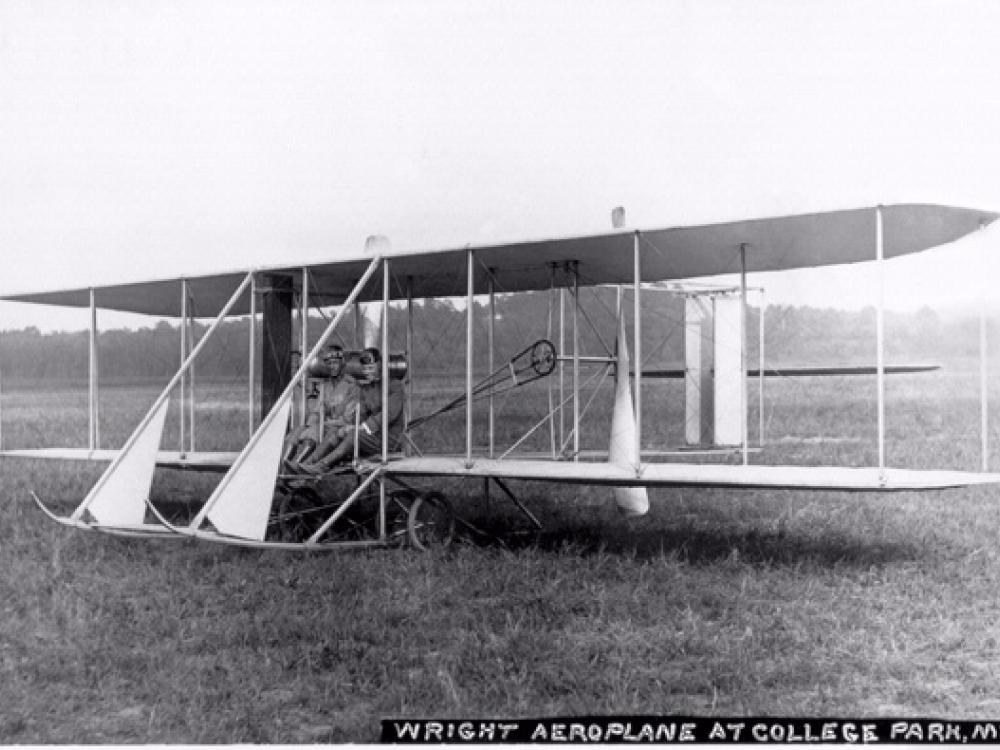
(144, 531)
(186, 532)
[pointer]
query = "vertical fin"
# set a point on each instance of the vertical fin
(244, 502)
(120, 498)
(699, 365)
(728, 383)
(633, 501)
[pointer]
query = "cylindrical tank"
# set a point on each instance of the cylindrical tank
(397, 364)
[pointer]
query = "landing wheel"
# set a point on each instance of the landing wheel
(430, 522)
(397, 516)
(295, 516)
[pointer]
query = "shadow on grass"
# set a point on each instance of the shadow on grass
(707, 535)
(700, 546)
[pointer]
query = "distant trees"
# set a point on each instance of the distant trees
(124, 354)
(794, 335)
(812, 335)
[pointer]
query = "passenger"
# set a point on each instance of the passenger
(336, 410)
(336, 449)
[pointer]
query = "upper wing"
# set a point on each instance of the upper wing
(773, 244)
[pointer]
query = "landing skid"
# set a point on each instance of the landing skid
(235, 541)
(421, 519)
(145, 531)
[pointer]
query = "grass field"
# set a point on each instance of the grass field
(739, 602)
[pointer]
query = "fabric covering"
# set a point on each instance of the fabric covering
(773, 244)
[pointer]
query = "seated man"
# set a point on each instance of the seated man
(340, 446)
(300, 440)
(335, 411)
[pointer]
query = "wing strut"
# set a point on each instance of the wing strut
(117, 501)
(240, 504)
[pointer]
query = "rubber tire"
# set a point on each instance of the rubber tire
(293, 509)
(430, 511)
(397, 517)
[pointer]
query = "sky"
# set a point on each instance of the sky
(142, 139)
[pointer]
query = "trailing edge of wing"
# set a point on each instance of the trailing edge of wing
(774, 244)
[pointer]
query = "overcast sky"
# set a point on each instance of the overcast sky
(141, 139)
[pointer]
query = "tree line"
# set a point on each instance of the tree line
(794, 335)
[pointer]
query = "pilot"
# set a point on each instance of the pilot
(336, 410)
(340, 446)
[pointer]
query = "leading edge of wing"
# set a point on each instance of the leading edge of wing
(695, 475)
(192, 461)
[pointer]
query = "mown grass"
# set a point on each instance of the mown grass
(715, 603)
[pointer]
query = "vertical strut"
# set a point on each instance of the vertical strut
(469, 303)
(1, 403)
(184, 373)
(304, 338)
(549, 386)
(880, 336)
(562, 368)
(252, 356)
(382, 535)
(984, 396)
(191, 343)
(983, 393)
(744, 397)
(760, 371)
(576, 363)
(490, 367)
(409, 358)
(164, 394)
(283, 397)
(93, 435)
(385, 382)
(638, 354)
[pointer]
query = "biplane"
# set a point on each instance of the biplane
(257, 503)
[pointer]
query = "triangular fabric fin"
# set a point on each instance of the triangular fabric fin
(241, 506)
(633, 501)
(120, 498)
